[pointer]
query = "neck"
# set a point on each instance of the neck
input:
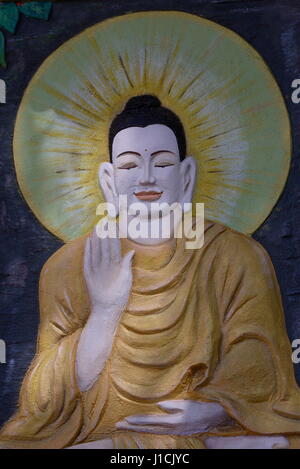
(149, 231)
(150, 257)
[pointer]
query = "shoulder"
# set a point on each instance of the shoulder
(237, 247)
(243, 271)
(64, 304)
(68, 258)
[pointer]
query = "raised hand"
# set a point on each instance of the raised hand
(108, 278)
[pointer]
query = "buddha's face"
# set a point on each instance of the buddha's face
(146, 168)
(147, 164)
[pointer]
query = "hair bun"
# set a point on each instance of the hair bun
(143, 101)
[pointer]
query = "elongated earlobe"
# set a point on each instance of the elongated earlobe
(188, 171)
(107, 183)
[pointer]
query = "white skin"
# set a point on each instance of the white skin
(145, 167)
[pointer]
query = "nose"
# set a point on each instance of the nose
(147, 177)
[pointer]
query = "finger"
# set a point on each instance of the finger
(153, 420)
(145, 428)
(115, 249)
(95, 250)
(173, 406)
(127, 260)
(87, 261)
(105, 250)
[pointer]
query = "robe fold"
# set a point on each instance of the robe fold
(204, 324)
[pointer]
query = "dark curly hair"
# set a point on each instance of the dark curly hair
(145, 110)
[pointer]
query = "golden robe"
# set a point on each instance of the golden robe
(203, 324)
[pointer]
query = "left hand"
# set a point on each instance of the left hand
(183, 417)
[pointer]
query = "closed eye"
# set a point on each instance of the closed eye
(163, 165)
(128, 166)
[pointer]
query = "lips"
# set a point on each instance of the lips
(148, 195)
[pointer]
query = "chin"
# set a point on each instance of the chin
(150, 241)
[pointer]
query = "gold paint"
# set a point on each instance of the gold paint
(154, 52)
(205, 325)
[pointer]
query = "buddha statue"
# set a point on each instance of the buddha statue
(144, 343)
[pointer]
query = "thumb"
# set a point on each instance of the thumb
(127, 259)
(173, 406)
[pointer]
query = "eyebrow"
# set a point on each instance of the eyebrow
(138, 154)
(128, 153)
(162, 151)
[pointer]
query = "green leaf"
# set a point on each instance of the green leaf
(39, 10)
(2, 51)
(9, 15)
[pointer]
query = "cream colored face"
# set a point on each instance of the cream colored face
(147, 164)
(146, 168)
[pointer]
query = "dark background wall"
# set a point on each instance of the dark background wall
(271, 26)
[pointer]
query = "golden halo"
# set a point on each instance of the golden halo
(233, 113)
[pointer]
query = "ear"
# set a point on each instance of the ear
(188, 170)
(107, 183)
